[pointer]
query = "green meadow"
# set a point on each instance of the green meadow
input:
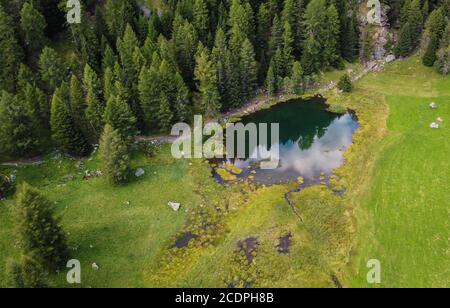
(395, 208)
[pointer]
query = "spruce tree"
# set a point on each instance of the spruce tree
(181, 99)
(165, 114)
(19, 130)
(271, 80)
(40, 234)
(205, 74)
(249, 70)
(32, 24)
(149, 95)
(77, 103)
(297, 78)
(404, 44)
(65, 132)
(52, 69)
(345, 84)
(6, 186)
(201, 18)
(120, 117)
(94, 101)
(10, 53)
(115, 157)
(331, 54)
(434, 30)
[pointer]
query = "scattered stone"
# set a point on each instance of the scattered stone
(440, 120)
(88, 174)
(139, 172)
(95, 267)
(68, 178)
(434, 125)
(433, 105)
(174, 205)
(127, 203)
(390, 58)
(91, 246)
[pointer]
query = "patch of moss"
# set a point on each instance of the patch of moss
(233, 169)
(225, 175)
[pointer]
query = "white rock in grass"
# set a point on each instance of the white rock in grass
(433, 105)
(175, 206)
(390, 58)
(434, 125)
(139, 172)
(440, 120)
(95, 267)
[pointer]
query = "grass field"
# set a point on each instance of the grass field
(404, 219)
(395, 208)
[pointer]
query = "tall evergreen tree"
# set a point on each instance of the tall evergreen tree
(10, 53)
(77, 103)
(52, 69)
(164, 114)
(94, 101)
(120, 117)
(19, 133)
(115, 157)
(65, 132)
(32, 24)
(434, 30)
(205, 74)
(39, 232)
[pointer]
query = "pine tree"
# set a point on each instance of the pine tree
(185, 42)
(271, 80)
(32, 24)
(35, 101)
(19, 134)
(109, 58)
(350, 39)
(120, 117)
(249, 70)
(434, 30)
(39, 232)
(415, 19)
(311, 58)
(443, 55)
(149, 95)
(10, 53)
(297, 78)
(201, 18)
(181, 99)
(65, 132)
(164, 115)
(77, 103)
(6, 186)
(345, 84)
(13, 275)
(94, 102)
(288, 47)
(205, 74)
(404, 44)
(108, 83)
(115, 157)
(52, 69)
(119, 13)
(32, 272)
(331, 49)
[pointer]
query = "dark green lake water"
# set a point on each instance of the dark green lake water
(312, 141)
